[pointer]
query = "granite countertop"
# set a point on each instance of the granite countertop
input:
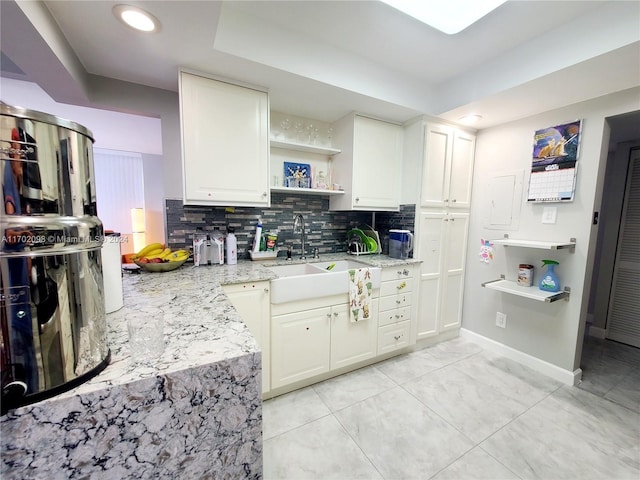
(201, 326)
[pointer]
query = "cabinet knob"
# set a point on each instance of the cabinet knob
(397, 337)
(266, 290)
(328, 315)
(357, 199)
(264, 194)
(453, 219)
(446, 219)
(335, 314)
(446, 200)
(402, 285)
(398, 302)
(453, 201)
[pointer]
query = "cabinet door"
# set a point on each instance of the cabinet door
(251, 300)
(461, 170)
(377, 161)
(225, 142)
(352, 342)
(430, 248)
(300, 345)
(455, 257)
(438, 140)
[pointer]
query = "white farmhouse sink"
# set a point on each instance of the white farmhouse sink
(313, 280)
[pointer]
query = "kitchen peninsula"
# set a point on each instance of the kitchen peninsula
(196, 414)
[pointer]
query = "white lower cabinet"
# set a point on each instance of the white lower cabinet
(352, 342)
(396, 314)
(251, 300)
(309, 338)
(300, 345)
(393, 337)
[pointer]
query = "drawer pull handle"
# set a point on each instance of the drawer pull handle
(402, 285)
(397, 337)
(328, 315)
(398, 302)
(266, 290)
(335, 314)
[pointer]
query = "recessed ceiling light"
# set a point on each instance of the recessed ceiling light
(470, 119)
(136, 18)
(448, 16)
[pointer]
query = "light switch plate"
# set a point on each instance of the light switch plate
(549, 214)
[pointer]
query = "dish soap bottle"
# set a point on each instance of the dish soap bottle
(232, 247)
(549, 281)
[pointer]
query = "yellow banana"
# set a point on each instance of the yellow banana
(154, 253)
(165, 253)
(177, 257)
(148, 249)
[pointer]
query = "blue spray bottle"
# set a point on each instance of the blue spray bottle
(549, 281)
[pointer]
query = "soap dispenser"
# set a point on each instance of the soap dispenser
(549, 281)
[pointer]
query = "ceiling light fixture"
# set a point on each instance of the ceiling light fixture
(136, 18)
(448, 16)
(471, 119)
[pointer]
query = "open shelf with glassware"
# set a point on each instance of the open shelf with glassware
(303, 147)
(307, 191)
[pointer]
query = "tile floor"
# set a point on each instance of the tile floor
(456, 411)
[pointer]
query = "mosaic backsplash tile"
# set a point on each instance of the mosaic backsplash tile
(325, 230)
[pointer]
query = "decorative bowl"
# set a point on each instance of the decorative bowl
(160, 267)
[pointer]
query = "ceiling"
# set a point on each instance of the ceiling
(322, 59)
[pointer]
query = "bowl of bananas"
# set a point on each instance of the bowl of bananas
(155, 258)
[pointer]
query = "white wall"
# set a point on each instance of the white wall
(549, 332)
(154, 198)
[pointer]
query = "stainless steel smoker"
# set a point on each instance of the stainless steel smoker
(52, 313)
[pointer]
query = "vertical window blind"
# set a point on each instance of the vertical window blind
(119, 187)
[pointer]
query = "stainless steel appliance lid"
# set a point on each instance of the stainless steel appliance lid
(20, 112)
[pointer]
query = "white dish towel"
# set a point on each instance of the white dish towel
(360, 290)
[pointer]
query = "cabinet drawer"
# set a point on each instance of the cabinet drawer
(396, 273)
(396, 286)
(395, 301)
(393, 337)
(393, 316)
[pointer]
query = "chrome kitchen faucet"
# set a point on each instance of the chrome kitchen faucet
(298, 222)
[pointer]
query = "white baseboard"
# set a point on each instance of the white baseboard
(565, 376)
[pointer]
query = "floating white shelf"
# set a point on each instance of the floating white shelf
(302, 147)
(533, 293)
(307, 191)
(512, 242)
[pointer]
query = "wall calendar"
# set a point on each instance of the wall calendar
(555, 159)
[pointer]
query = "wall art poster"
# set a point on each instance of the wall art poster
(555, 159)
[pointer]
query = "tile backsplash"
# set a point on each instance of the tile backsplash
(324, 229)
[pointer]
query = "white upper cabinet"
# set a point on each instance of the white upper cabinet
(370, 164)
(448, 167)
(225, 142)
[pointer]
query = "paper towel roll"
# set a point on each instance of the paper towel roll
(112, 273)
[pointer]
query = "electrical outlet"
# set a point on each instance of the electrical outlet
(501, 320)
